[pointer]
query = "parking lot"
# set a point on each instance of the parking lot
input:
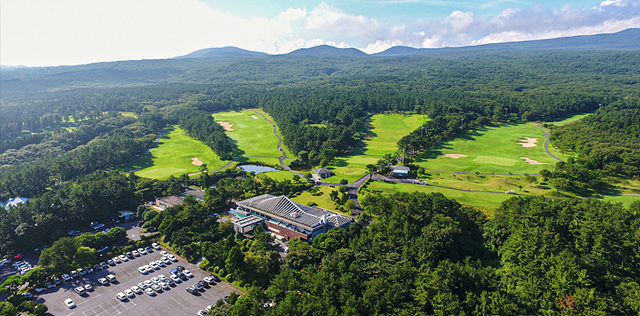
(102, 300)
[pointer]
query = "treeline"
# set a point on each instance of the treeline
(95, 197)
(439, 129)
(104, 152)
(428, 255)
(607, 142)
(29, 148)
(202, 126)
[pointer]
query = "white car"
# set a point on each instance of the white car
(80, 290)
(165, 260)
(160, 263)
(116, 260)
(148, 283)
(155, 246)
(188, 273)
(103, 281)
(175, 278)
(143, 270)
(172, 257)
(155, 280)
(163, 253)
(88, 287)
(150, 291)
(66, 277)
(135, 253)
(129, 293)
(154, 265)
(142, 251)
(69, 302)
(124, 258)
(164, 285)
(136, 289)
(142, 285)
(162, 277)
(121, 296)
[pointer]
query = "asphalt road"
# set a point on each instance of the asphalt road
(102, 300)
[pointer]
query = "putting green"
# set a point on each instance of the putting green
(493, 160)
(174, 156)
(494, 149)
(252, 133)
(386, 131)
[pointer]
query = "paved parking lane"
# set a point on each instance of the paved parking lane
(102, 300)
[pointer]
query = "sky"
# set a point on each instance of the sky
(70, 32)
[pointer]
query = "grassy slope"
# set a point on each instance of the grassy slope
(173, 156)
(322, 198)
(624, 199)
(286, 150)
(518, 184)
(253, 136)
(491, 149)
(387, 130)
(485, 201)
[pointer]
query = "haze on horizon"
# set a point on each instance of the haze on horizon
(69, 32)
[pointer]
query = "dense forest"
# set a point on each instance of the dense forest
(428, 255)
(63, 130)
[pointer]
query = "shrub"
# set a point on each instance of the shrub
(204, 264)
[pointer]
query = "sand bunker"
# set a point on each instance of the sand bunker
(532, 162)
(456, 156)
(226, 126)
(196, 161)
(528, 142)
(254, 117)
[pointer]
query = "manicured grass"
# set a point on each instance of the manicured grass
(173, 156)
(493, 149)
(624, 199)
(571, 119)
(278, 175)
(253, 136)
(286, 150)
(321, 199)
(387, 130)
(497, 183)
(485, 201)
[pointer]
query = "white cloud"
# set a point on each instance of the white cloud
(45, 32)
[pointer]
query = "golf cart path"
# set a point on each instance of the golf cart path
(546, 143)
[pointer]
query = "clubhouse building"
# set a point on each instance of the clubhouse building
(286, 218)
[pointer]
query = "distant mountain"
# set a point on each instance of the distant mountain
(222, 52)
(398, 51)
(623, 40)
(8, 67)
(326, 50)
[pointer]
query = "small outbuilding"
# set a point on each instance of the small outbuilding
(323, 172)
(400, 171)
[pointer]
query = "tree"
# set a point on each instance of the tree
(531, 179)
(60, 256)
(11, 284)
(344, 181)
(560, 184)
(7, 309)
(85, 257)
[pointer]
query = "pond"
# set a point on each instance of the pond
(256, 169)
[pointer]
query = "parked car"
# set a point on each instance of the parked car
(104, 265)
(57, 280)
(192, 289)
(142, 251)
(175, 278)
(150, 291)
(121, 296)
(135, 253)
(80, 290)
(188, 273)
(216, 278)
(129, 255)
(129, 293)
(74, 274)
(66, 277)
(103, 281)
(88, 269)
(149, 249)
(69, 303)
(155, 246)
(136, 289)
(88, 287)
(81, 271)
(111, 278)
(204, 284)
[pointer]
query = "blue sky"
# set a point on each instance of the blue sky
(47, 33)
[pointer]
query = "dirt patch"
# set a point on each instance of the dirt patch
(532, 162)
(455, 156)
(196, 161)
(254, 117)
(528, 142)
(226, 126)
